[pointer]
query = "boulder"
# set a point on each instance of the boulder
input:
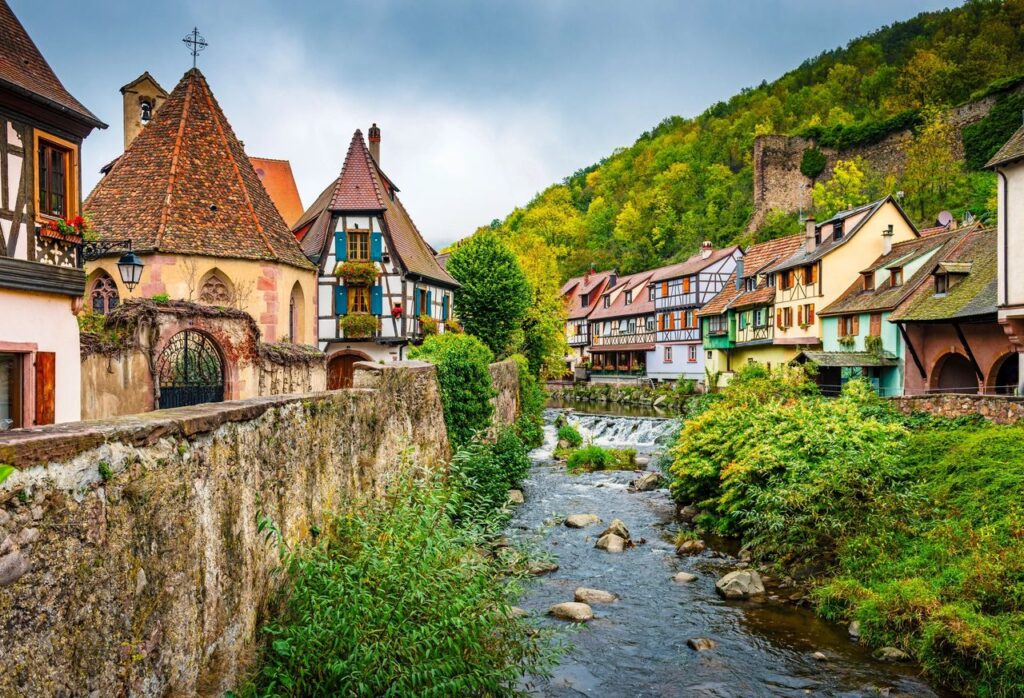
(517, 612)
(562, 443)
(819, 657)
(642, 461)
(592, 596)
(690, 547)
(581, 520)
(516, 497)
(687, 513)
(647, 482)
(684, 577)
(659, 401)
(700, 644)
(611, 543)
(617, 528)
(740, 584)
(572, 611)
(854, 630)
(542, 567)
(892, 654)
(12, 567)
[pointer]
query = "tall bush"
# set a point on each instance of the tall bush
(532, 397)
(462, 371)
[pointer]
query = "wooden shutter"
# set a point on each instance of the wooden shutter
(444, 311)
(799, 315)
(340, 300)
(376, 300)
(686, 284)
(664, 289)
(376, 246)
(341, 246)
(856, 325)
(810, 314)
(778, 318)
(430, 303)
(45, 387)
(876, 324)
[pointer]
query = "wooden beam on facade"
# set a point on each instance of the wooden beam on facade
(970, 354)
(910, 348)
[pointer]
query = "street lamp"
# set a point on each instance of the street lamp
(129, 265)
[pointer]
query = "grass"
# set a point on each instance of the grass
(590, 458)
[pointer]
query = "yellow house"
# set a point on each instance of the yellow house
(186, 196)
(832, 256)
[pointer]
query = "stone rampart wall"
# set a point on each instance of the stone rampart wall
(1001, 410)
(505, 378)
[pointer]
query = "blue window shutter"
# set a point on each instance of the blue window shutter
(376, 300)
(340, 246)
(376, 246)
(430, 303)
(340, 300)
(444, 307)
(416, 302)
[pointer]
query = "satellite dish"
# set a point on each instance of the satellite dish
(945, 218)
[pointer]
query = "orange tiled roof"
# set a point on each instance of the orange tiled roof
(362, 186)
(185, 186)
(279, 182)
(757, 258)
(641, 302)
(23, 69)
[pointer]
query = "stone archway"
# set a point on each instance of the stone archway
(1004, 376)
(341, 368)
(953, 373)
(190, 370)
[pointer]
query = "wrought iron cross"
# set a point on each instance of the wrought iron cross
(195, 43)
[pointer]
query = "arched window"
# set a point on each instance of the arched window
(216, 290)
(103, 296)
(146, 111)
(296, 313)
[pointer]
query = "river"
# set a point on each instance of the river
(637, 645)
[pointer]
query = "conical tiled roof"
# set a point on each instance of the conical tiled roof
(23, 69)
(363, 187)
(185, 186)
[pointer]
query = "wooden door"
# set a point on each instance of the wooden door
(340, 370)
(45, 387)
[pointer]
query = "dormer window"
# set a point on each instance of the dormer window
(869, 280)
(607, 301)
(749, 284)
(837, 230)
(145, 111)
(941, 284)
(629, 297)
(771, 281)
(896, 276)
(584, 300)
(650, 293)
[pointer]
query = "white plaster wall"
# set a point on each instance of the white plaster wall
(680, 366)
(46, 320)
(1011, 236)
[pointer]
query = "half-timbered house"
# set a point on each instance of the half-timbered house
(41, 278)
(678, 292)
(581, 295)
(622, 329)
(380, 287)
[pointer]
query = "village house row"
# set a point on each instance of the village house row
(220, 238)
(863, 294)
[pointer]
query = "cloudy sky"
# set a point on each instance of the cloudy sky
(481, 103)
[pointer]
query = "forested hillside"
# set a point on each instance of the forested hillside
(690, 179)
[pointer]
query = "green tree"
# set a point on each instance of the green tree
(494, 294)
(933, 177)
(847, 188)
(812, 163)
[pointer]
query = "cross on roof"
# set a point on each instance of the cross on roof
(195, 43)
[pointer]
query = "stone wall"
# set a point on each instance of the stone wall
(131, 562)
(1001, 410)
(505, 378)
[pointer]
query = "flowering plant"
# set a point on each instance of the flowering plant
(356, 273)
(76, 228)
(396, 311)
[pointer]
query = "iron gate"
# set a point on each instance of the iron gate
(191, 371)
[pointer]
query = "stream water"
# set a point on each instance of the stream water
(637, 645)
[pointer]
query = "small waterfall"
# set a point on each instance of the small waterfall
(641, 433)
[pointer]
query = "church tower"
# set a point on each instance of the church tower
(142, 98)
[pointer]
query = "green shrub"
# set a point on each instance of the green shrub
(846, 136)
(481, 475)
(983, 139)
(532, 397)
(462, 371)
(571, 435)
(394, 600)
(597, 458)
(812, 163)
(359, 325)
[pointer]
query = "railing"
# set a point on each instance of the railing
(684, 334)
(617, 339)
(576, 340)
(676, 300)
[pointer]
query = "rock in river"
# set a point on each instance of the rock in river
(647, 482)
(892, 654)
(581, 520)
(700, 644)
(540, 567)
(740, 584)
(690, 547)
(618, 528)
(611, 543)
(572, 611)
(684, 577)
(591, 596)
(516, 497)
(688, 513)
(854, 630)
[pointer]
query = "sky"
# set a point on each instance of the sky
(481, 103)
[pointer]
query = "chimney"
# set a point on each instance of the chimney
(809, 232)
(739, 274)
(887, 240)
(375, 143)
(705, 249)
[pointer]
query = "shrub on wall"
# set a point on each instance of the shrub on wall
(983, 139)
(462, 372)
(532, 397)
(812, 163)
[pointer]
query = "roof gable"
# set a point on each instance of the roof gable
(23, 69)
(357, 188)
(754, 263)
(278, 180)
(1011, 151)
(185, 186)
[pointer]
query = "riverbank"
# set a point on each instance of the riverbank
(668, 398)
(637, 645)
(907, 528)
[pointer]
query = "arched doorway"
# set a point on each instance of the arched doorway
(190, 370)
(341, 369)
(296, 315)
(953, 373)
(1005, 375)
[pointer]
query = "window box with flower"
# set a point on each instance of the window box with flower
(356, 273)
(359, 325)
(428, 325)
(74, 230)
